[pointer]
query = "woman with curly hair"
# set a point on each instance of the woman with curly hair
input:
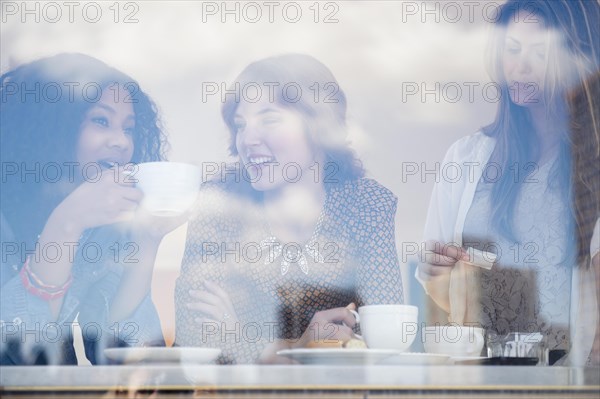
(74, 245)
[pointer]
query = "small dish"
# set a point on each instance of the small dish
(177, 354)
(337, 356)
(417, 358)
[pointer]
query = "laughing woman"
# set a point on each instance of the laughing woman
(291, 241)
(73, 245)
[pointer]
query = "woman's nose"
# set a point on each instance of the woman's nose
(251, 135)
(524, 63)
(119, 139)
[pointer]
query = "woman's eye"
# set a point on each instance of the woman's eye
(270, 121)
(541, 54)
(239, 126)
(100, 120)
(513, 50)
(129, 131)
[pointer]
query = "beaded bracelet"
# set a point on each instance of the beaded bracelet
(44, 291)
(37, 280)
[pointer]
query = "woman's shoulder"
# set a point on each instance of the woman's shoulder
(222, 207)
(230, 180)
(470, 145)
(364, 192)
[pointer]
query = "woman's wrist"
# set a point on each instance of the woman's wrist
(300, 342)
(62, 224)
(146, 241)
(37, 287)
(58, 231)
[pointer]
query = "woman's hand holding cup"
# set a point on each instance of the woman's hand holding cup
(330, 325)
(112, 198)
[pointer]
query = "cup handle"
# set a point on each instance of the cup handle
(510, 349)
(357, 318)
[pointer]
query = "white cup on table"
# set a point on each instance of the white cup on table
(388, 326)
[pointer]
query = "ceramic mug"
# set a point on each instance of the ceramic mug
(453, 340)
(170, 188)
(388, 326)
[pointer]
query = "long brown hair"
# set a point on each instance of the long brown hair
(576, 21)
(585, 128)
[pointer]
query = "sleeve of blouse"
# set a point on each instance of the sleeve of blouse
(595, 242)
(10, 262)
(200, 262)
(141, 328)
(442, 212)
(190, 277)
(25, 315)
(379, 277)
(25, 319)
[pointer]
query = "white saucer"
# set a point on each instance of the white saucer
(416, 358)
(176, 354)
(338, 356)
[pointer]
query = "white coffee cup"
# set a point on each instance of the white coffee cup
(453, 340)
(170, 188)
(388, 326)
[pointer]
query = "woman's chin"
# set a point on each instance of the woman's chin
(532, 102)
(264, 185)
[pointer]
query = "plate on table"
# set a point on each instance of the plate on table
(337, 356)
(152, 354)
(416, 358)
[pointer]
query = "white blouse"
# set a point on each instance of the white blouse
(449, 205)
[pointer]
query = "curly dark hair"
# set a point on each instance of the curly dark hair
(44, 103)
